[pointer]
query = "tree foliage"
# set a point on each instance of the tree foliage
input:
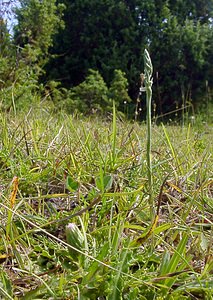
(5, 51)
(91, 94)
(37, 22)
(109, 35)
(118, 90)
(64, 40)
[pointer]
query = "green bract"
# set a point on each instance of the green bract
(75, 239)
(148, 69)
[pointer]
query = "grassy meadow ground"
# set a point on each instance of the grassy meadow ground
(56, 169)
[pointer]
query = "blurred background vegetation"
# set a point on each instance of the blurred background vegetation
(79, 56)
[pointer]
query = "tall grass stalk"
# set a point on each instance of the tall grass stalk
(148, 84)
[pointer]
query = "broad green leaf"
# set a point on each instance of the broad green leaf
(104, 183)
(108, 180)
(71, 184)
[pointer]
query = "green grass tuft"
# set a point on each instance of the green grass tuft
(93, 173)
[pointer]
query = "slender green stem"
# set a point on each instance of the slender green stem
(148, 84)
(114, 132)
